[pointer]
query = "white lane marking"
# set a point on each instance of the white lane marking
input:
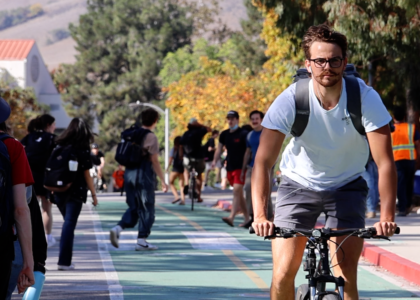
(213, 241)
(395, 280)
(114, 287)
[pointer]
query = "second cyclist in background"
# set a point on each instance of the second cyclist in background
(193, 155)
(98, 160)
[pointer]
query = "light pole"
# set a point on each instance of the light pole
(166, 114)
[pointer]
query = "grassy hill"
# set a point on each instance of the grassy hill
(50, 29)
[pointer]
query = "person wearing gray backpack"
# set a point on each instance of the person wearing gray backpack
(322, 165)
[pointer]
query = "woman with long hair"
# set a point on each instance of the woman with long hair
(79, 137)
(175, 160)
(39, 144)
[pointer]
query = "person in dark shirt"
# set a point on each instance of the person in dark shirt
(234, 139)
(209, 148)
(193, 155)
(98, 160)
(70, 202)
(39, 144)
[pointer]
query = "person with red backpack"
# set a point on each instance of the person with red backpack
(39, 144)
(15, 175)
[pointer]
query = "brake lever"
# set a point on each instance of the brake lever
(270, 237)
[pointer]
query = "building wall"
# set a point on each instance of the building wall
(17, 69)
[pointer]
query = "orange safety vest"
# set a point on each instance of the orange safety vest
(403, 142)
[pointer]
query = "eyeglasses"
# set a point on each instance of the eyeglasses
(322, 62)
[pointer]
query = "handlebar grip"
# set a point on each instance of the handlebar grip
(251, 230)
(397, 230)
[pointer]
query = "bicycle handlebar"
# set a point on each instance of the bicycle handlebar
(283, 232)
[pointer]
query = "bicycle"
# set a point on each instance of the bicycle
(319, 275)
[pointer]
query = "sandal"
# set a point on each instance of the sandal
(182, 203)
(176, 200)
(200, 200)
(227, 221)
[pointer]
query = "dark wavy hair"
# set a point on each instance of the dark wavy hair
(323, 33)
(77, 134)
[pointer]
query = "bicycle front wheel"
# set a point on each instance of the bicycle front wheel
(302, 292)
(331, 297)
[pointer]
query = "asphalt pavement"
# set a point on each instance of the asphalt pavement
(200, 257)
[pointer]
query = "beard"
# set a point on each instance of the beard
(328, 81)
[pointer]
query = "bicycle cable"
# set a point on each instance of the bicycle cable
(344, 256)
(339, 246)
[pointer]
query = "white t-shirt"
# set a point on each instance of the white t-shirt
(330, 152)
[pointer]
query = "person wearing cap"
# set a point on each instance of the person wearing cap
(234, 139)
(21, 176)
(193, 154)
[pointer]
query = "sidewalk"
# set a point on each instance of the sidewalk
(399, 256)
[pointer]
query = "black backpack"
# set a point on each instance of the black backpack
(6, 191)
(37, 147)
(58, 177)
(354, 101)
(130, 152)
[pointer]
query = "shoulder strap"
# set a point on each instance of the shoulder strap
(354, 103)
(4, 136)
(302, 107)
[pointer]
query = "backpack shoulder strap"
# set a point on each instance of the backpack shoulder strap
(302, 107)
(354, 103)
(4, 136)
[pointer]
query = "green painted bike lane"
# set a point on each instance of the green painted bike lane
(179, 271)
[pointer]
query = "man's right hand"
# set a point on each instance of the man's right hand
(213, 164)
(164, 187)
(25, 279)
(263, 227)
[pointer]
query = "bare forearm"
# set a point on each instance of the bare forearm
(387, 186)
(89, 182)
(217, 153)
(260, 188)
(24, 230)
(246, 159)
(158, 170)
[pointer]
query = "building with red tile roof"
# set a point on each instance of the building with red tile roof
(21, 64)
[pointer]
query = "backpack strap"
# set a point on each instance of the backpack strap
(354, 103)
(302, 107)
(4, 136)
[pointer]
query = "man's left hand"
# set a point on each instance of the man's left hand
(385, 228)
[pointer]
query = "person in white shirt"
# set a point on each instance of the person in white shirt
(321, 169)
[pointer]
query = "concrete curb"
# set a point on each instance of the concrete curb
(393, 263)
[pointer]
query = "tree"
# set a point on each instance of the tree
(23, 105)
(121, 45)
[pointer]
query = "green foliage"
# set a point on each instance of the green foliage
(121, 45)
(19, 15)
(57, 35)
(23, 105)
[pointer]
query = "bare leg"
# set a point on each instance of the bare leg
(199, 185)
(181, 186)
(238, 202)
(172, 178)
(47, 217)
(287, 256)
(347, 267)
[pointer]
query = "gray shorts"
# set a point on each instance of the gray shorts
(298, 207)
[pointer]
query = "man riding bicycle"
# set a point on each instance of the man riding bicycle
(321, 168)
(193, 155)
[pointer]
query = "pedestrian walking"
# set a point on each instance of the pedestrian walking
(209, 148)
(73, 151)
(322, 165)
(405, 146)
(234, 139)
(39, 144)
(193, 155)
(139, 181)
(176, 162)
(252, 143)
(16, 175)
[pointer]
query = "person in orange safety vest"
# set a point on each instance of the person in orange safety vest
(404, 141)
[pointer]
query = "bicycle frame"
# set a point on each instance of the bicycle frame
(318, 280)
